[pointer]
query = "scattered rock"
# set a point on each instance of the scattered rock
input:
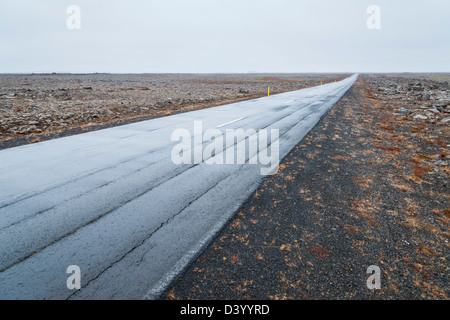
(440, 163)
(404, 110)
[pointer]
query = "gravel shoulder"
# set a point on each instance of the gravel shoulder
(367, 186)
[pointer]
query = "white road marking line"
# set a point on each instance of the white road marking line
(230, 122)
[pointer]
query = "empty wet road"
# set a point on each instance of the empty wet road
(114, 203)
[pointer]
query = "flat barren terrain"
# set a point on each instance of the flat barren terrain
(369, 184)
(39, 107)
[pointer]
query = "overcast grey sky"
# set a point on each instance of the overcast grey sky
(181, 36)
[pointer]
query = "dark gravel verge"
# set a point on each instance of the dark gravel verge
(350, 195)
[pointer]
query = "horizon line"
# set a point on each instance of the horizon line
(252, 72)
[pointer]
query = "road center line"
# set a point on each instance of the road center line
(230, 122)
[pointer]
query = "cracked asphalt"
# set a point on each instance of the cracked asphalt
(115, 203)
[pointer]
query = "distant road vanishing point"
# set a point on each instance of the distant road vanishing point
(114, 203)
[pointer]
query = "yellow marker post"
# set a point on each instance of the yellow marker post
(268, 91)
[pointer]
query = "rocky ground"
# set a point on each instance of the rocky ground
(421, 99)
(423, 104)
(38, 107)
(369, 185)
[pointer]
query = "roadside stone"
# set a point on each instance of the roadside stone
(441, 163)
(404, 110)
(31, 129)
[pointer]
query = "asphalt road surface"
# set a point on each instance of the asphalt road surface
(114, 203)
